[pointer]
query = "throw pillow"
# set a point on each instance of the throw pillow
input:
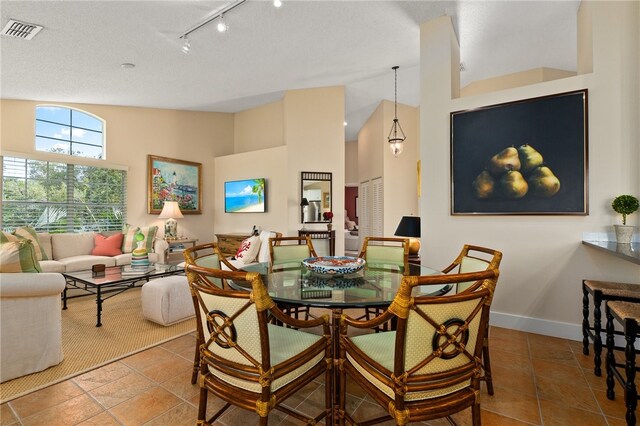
(18, 256)
(149, 233)
(5, 237)
(248, 250)
(107, 246)
(128, 240)
(28, 233)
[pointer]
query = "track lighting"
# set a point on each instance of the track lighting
(277, 3)
(186, 47)
(222, 25)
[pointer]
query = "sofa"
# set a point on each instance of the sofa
(30, 323)
(72, 252)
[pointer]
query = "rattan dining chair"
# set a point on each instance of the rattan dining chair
(472, 259)
(428, 368)
(209, 256)
(244, 360)
(384, 252)
(285, 251)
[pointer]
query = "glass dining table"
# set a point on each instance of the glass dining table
(373, 286)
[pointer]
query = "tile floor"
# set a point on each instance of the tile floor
(538, 380)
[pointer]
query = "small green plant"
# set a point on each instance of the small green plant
(625, 205)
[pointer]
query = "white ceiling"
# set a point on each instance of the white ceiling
(77, 56)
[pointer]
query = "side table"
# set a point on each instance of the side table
(177, 247)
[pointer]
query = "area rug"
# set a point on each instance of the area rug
(124, 332)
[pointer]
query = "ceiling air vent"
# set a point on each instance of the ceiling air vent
(19, 29)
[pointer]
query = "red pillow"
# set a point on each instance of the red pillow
(107, 246)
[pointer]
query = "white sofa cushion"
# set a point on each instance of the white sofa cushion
(45, 242)
(72, 244)
(52, 266)
(79, 263)
(263, 256)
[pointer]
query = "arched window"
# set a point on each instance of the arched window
(69, 131)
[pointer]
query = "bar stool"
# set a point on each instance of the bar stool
(602, 291)
(626, 314)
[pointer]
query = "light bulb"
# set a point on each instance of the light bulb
(396, 148)
(186, 47)
(222, 25)
(277, 3)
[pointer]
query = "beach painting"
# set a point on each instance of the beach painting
(174, 180)
(245, 196)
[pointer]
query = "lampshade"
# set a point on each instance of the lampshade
(304, 202)
(409, 227)
(171, 210)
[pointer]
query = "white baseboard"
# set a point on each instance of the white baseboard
(560, 329)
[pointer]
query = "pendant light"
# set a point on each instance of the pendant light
(396, 135)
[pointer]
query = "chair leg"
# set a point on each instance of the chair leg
(610, 360)
(597, 329)
(630, 392)
(202, 406)
(486, 361)
(475, 414)
(585, 319)
(196, 364)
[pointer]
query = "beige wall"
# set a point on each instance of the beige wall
(312, 131)
(370, 140)
(544, 261)
(132, 134)
(314, 134)
(518, 79)
(259, 128)
(268, 163)
(351, 163)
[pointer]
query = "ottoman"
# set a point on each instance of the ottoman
(167, 300)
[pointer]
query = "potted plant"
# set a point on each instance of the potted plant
(625, 205)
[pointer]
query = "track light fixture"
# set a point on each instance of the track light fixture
(186, 46)
(221, 25)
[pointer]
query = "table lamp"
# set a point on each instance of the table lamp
(171, 212)
(304, 204)
(410, 227)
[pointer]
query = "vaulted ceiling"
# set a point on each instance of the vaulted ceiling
(77, 57)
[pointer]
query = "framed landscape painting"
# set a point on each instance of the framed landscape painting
(174, 180)
(527, 157)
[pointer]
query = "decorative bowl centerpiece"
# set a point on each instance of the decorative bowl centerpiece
(334, 265)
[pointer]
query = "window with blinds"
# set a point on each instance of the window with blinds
(58, 197)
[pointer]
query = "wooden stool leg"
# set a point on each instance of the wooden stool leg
(597, 329)
(585, 319)
(630, 393)
(611, 360)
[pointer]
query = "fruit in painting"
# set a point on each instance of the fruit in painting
(505, 160)
(529, 158)
(484, 186)
(513, 185)
(543, 182)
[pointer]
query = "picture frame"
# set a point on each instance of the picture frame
(326, 200)
(170, 179)
(526, 157)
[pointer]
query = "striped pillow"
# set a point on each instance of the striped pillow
(18, 256)
(28, 233)
(129, 241)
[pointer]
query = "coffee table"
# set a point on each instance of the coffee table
(112, 282)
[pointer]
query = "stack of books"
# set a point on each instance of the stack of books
(131, 270)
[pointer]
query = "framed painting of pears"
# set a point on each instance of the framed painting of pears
(527, 157)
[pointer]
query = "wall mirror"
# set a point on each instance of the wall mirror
(315, 196)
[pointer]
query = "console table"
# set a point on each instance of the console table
(321, 235)
(230, 243)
